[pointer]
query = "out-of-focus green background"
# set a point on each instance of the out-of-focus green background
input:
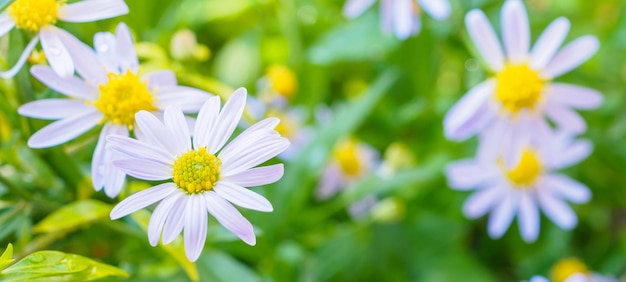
(381, 90)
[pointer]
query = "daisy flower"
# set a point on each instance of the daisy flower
(572, 270)
(201, 173)
(532, 185)
(401, 16)
(520, 94)
(109, 91)
(39, 16)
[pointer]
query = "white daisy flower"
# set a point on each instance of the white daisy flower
(39, 16)
(526, 188)
(110, 92)
(400, 16)
(206, 174)
(521, 92)
(572, 270)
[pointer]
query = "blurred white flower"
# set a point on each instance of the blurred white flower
(572, 270)
(110, 92)
(526, 188)
(401, 16)
(39, 16)
(521, 93)
(202, 180)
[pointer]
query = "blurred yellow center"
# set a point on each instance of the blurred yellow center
(282, 80)
(526, 171)
(197, 171)
(34, 14)
(518, 87)
(287, 127)
(347, 156)
(566, 268)
(122, 97)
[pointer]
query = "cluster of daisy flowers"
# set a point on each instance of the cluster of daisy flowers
(144, 131)
(515, 171)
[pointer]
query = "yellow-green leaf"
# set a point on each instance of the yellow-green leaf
(73, 215)
(7, 257)
(58, 266)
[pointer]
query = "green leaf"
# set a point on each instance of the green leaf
(73, 215)
(7, 257)
(58, 266)
(221, 267)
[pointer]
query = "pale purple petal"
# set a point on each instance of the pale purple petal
(103, 173)
(485, 39)
(470, 114)
(242, 197)
(21, 60)
(160, 79)
(65, 129)
(175, 219)
(256, 176)
(502, 216)
(176, 123)
(92, 10)
(57, 54)
(538, 279)
(468, 174)
(71, 86)
(573, 154)
(142, 199)
(113, 180)
(104, 45)
(207, 118)
(565, 188)
(528, 217)
(257, 153)
(515, 31)
(566, 119)
(84, 59)
(437, 9)
(330, 183)
(571, 56)
(253, 134)
(133, 148)
(125, 49)
(154, 132)
(548, 43)
(145, 169)
(53, 109)
(229, 217)
(574, 96)
(227, 120)
(354, 8)
(403, 18)
(6, 23)
(157, 220)
(190, 100)
(195, 226)
(483, 200)
(556, 210)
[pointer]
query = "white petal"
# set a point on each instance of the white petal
(125, 49)
(57, 54)
(502, 216)
(92, 10)
(195, 226)
(145, 169)
(574, 153)
(6, 23)
(468, 174)
(250, 136)
(227, 120)
(190, 100)
(133, 148)
(105, 47)
(483, 200)
(155, 132)
(142, 199)
(53, 109)
(354, 8)
(470, 114)
(403, 18)
(21, 60)
(538, 279)
(242, 197)
(157, 220)
(254, 155)
(84, 59)
(256, 176)
(113, 180)
(101, 168)
(175, 219)
(548, 43)
(207, 118)
(437, 9)
(71, 86)
(176, 123)
(229, 217)
(528, 217)
(574, 96)
(566, 188)
(566, 119)
(485, 39)
(64, 130)
(560, 213)
(515, 30)
(571, 56)
(160, 79)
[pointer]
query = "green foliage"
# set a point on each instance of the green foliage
(73, 215)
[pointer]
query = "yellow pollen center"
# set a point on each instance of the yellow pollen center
(518, 87)
(526, 171)
(122, 97)
(34, 14)
(347, 156)
(566, 268)
(282, 80)
(197, 171)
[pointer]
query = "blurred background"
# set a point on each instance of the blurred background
(364, 197)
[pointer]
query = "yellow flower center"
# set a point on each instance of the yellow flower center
(346, 154)
(566, 268)
(287, 126)
(282, 80)
(34, 14)
(122, 97)
(526, 171)
(518, 87)
(197, 171)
